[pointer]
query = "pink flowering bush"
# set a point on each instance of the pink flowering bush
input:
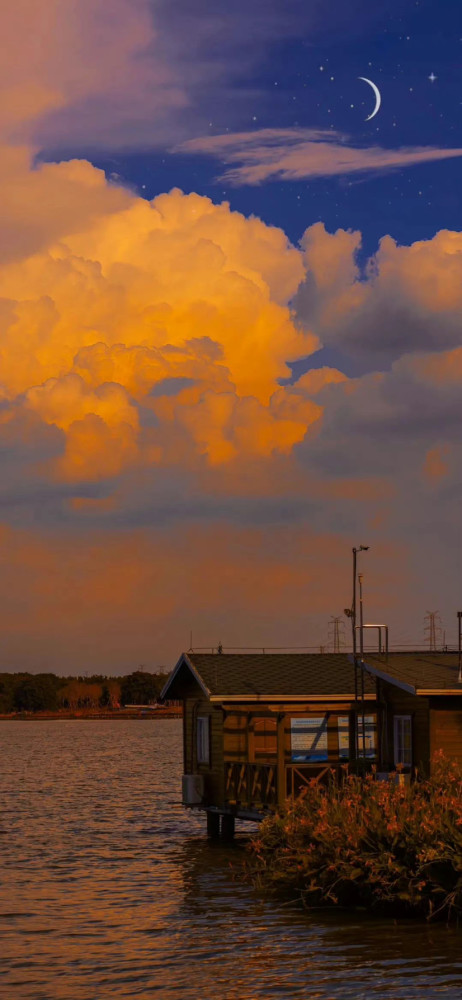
(361, 842)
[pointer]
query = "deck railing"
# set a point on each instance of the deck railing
(252, 786)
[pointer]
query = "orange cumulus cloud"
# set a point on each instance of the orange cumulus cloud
(179, 308)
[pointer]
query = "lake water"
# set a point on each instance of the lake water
(109, 888)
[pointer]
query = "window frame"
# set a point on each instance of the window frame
(371, 732)
(301, 750)
(203, 755)
(397, 721)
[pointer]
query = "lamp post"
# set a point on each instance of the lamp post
(352, 614)
(361, 656)
(459, 617)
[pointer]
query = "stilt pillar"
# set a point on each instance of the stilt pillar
(213, 824)
(227, 826)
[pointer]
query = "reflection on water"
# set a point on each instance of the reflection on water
(110, 889)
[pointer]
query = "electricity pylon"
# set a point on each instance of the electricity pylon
(432, 629)
(336, 632)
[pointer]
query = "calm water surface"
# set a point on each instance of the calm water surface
(110, 889)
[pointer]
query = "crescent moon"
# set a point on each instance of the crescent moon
(378, 98)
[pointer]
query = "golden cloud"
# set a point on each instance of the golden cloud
(177, 307)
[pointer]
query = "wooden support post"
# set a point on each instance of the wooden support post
(213, 824)
(281, 768)
(227, 826)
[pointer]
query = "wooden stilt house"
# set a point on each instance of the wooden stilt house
(258, 727)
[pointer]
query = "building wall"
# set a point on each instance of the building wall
(397, 702)
(213, 772)
(446, 728)
(244, 734)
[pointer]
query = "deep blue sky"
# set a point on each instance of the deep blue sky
(398, 49)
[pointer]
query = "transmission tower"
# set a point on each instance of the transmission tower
(336, 633)
(432, 629)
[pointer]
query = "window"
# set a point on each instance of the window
(308, 739)
(343, 726)
(403, 740)
(203, 739)
(368, 747)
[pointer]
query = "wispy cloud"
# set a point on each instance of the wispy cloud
(294, 154)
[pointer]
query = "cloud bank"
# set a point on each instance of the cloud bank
(149, 435)
(159, 471)
(296, 154)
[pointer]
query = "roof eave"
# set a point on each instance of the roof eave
(184, 660)
(439, 691)
(220, 698)
(383, 676)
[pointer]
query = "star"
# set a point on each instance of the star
(432, 77)
(321, 68)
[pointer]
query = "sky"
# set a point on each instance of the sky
(230, 325)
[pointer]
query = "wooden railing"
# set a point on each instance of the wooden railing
(298, 778)
(252, 786)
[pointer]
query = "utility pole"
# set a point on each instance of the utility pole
(432, 629)
(361, 656)
(351, 613)
(459, 622)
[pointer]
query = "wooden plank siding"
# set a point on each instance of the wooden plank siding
(397, 702)
(446, 728)
(213, 772)
(251, 766)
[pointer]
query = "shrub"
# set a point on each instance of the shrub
(361, 842)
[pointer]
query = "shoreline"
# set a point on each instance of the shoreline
(79, 715)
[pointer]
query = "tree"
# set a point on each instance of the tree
(105, 697)
(36, 693)
(141, 688)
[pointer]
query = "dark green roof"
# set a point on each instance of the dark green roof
(266, 674)
(305, 675)
(419, 671)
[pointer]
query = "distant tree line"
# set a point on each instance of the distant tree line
(25, 692)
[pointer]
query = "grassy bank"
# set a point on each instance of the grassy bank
(360, 842)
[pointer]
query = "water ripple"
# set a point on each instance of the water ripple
(110, 889)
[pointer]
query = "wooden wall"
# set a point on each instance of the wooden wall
(260, 734)
(214, 771)
(399, 702)
(446, 728)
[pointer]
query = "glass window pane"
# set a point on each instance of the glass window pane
(343, 724)
(403, 740)
(308, 739)
(203, 740)
(368, 747)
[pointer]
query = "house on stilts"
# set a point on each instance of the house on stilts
(258, 727)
